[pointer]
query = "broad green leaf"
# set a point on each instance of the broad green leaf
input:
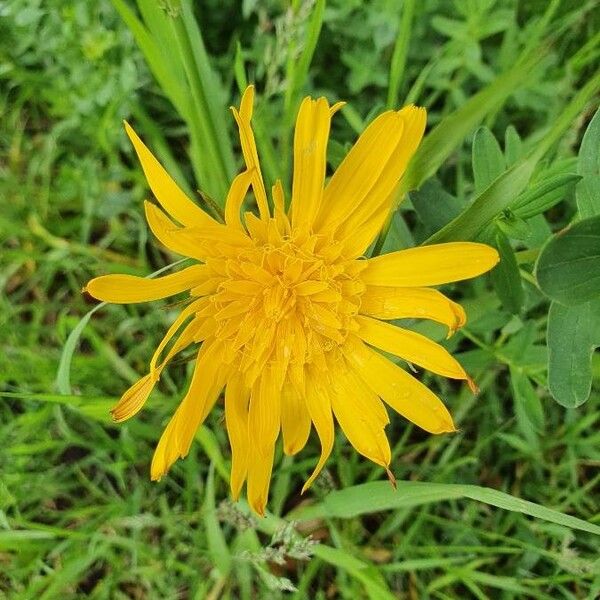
(380, 495)
(513, 146)
(588, 196)
(570, 348)
(589, 153)
(568, 268)
(513, 226)
(544, 195)
(588, 189)
(488, 205)
(487, 159)
(506, 277)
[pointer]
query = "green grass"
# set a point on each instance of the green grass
(79, 517)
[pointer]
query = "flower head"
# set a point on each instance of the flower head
(288, 315)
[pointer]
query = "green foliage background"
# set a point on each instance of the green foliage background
(510, 89)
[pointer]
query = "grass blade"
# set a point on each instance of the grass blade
(377, 496)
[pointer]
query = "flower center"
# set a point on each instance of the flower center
(285, 303)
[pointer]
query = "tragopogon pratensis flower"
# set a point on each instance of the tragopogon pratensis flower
(289, 316)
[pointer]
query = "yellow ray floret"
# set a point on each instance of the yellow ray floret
(287, 319)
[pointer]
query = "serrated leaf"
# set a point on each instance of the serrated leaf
(506, 277)
(488, 160)
(570, 349)
(568, 268)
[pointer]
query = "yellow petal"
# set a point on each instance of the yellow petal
(380, 197)
(318, 404)
(126, 289)
(166, 191)
(133, 399)
(295, 420)
(236, 420)
(360, 170)
(358, 411)
(260, 467)
(411, 346)
(169, 234)
(243, 118)
(430, 265)
(183, 316)
(281, 218)
(206, 385)
(264, 416)
(398, 389)
(357, 240)
(310, 157)
(235, 199)
(385, 302)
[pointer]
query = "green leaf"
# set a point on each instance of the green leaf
(488, 160)
(398, 64)
(439, 144)
(528, 404)
(63, 374)
(544, 195)
(589, 153)
(506, 277)
(380, 495)
(64, 366)
(217, 546)
(97, 408)
(488, 205)
(568, 268)
(502, 192)
(513, 146)
(513, 226)
(570, 348)
(435, 206)
(588, 189)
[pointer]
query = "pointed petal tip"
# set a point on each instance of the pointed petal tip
(258, 506)
(391, 478)
(472, 386)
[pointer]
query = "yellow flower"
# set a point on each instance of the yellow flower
(288, 313)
